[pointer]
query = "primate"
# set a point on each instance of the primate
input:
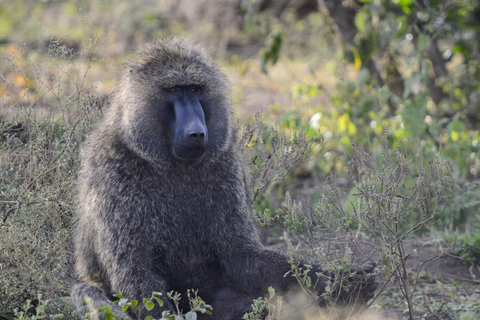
(162, 198)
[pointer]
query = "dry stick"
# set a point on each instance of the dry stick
(422, 223)
(404, 278)
(8, 201)
(424, 263)
(429, 309)
(369, 304)
(464, 279)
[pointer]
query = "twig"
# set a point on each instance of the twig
(427, 304)
(464, 279)
(427, 261)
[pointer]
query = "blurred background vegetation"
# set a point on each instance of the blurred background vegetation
(342, 69)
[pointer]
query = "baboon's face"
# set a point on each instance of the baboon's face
(174, 104)
(187, 125)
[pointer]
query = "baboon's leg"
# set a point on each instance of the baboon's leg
(98, 297)
(229, 304)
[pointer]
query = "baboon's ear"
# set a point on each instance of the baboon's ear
(132, 72)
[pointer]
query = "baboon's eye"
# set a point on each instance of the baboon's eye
(194, 89)
(172, 90)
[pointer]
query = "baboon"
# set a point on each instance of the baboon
(163, 202)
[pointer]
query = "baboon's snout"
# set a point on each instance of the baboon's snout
(192, 141)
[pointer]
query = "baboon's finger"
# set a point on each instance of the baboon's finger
(367, 267)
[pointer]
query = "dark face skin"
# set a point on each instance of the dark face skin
(187, 121)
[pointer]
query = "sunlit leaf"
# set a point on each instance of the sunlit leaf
(149, 305)
(191, 316)
(404, 4)
(118, 295)
(159, 301)
(122, 302)
(357, 64)
(361, 20)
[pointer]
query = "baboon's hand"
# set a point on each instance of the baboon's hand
(360, 287)
(354, 287)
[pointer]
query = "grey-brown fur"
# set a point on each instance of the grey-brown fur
(147, 221)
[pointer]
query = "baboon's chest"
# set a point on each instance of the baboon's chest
(187, 253)
(187, 215)
(181, 221)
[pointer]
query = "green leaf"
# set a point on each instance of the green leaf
(422, 42)
(384, 94)
(191, 316)
(118, 295)
(413, 80)
(134, 303)
(458, 126)
(148, 318)
(361, 20)
(462, 48)
(308, 282)
(105, 313)
(348, 55)
(149, 305)
(272, 52)
(150, 17)
(366, 45)
(402, 26)
(413, 115)
(166, 314)
(357, 61)
(122, 303)
(102, 315)
(159, 301)
(404, 4)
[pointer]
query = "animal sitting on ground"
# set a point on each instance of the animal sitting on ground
(162, 196)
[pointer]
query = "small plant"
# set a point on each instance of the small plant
(469, 243)
(31, 312)
(271, 152)
(271, 308)
(393, 198)
(196, 305)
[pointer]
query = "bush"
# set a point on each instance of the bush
(38, 161)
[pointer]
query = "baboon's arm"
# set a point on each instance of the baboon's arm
(251, 268)
(130, 268)
(255, 271)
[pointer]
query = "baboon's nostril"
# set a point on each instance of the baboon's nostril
(197, 135)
